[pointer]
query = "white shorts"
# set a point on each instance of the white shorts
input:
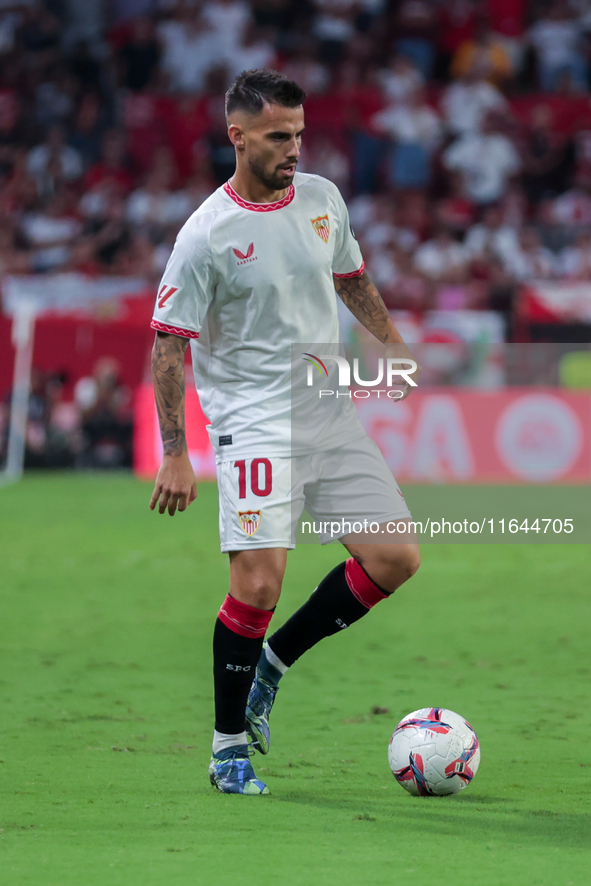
(262, 499)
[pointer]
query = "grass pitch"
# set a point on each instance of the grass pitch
(105, 629)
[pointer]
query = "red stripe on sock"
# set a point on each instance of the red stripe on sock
(361, 585)
(244, 619)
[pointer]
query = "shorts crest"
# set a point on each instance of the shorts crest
(322, 226)
(250, 521)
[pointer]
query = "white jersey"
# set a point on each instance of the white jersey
(245, 282)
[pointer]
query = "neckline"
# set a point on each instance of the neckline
(259, 207)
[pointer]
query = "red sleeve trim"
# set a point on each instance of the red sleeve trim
(352, 273)
(173, 330)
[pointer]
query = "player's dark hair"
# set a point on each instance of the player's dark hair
(253, 89)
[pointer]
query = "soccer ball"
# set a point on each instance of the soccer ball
(434, 752)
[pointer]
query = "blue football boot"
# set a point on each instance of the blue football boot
(231, 772)
(258, 708)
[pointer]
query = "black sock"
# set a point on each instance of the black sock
(331, 608)
(234, 663)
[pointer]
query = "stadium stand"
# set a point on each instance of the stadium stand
(459, 132)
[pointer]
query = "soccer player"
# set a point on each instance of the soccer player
(254, 270)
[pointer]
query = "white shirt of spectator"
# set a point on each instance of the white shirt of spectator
(375, 231)
(245, 281)
(535, 264)
(384, 271)
(485, 161)
(398, 86)
(384, 234)
(502, 242)
(228, 22)
(466, 104)
(335, 20)
(555, 41)
(188, 55)
(362, 211)
(42, 230)
(94, 203)
(307, 73)
(326, 160)
(169, 208)
(575, 262)
(70, 160)
(51, 238)
(410, 125)
(572, 208)
(247, 58)
(435, 259)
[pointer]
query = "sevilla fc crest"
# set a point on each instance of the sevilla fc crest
(249, 521)
(322, 226)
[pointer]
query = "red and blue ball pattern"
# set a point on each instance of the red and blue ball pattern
(434, 752)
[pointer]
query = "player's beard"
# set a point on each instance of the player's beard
(275, 181)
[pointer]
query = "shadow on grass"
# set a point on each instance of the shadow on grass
(482, 799)
(473, 815)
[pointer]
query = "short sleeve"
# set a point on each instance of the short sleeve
(187, 285)
(347, 259)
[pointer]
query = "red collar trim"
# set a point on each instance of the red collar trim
(259, 207)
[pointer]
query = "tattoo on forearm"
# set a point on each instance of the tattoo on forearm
(365, 302)
(168, 369)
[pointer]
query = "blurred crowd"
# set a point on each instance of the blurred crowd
(458, 130)
(443, 123)
(92, 430)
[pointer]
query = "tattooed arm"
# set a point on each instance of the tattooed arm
(175, 484)
(365, 302)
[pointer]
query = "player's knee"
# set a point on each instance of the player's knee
(262, 592)
(256, 577)
(397, 565)
(410, 561)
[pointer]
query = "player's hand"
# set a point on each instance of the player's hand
(176, 486)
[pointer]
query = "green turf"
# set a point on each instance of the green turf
(105, 630)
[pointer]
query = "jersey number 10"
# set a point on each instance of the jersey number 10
(255, 472)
